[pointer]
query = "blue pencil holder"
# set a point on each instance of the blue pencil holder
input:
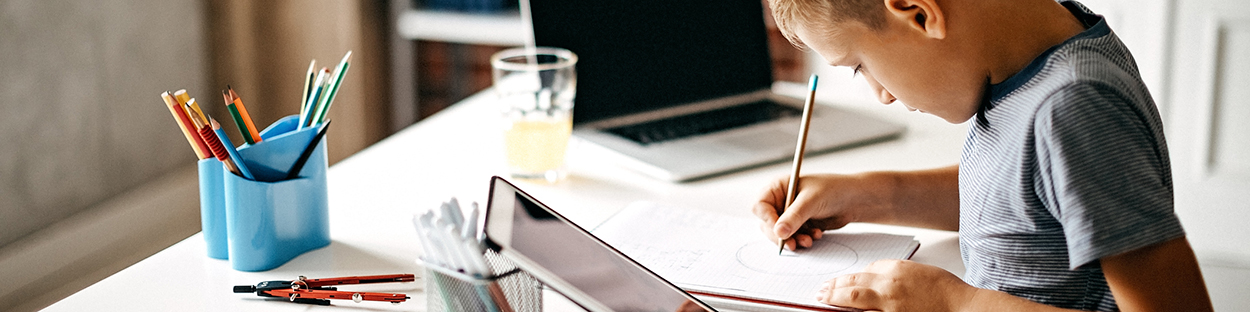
(271, 220)
(213, 207)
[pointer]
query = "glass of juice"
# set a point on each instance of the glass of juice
(535, 89)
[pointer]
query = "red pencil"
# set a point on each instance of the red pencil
(184, 122)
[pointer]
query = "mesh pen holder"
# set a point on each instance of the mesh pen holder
(448, 290)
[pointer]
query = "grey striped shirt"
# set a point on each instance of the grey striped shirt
(1070, 168)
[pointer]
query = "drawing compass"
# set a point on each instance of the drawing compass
(318, 291)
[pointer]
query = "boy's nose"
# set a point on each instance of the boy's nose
(885, 97)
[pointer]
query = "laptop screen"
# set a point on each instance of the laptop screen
(641, 55)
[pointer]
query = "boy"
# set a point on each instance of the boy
(1063, 196)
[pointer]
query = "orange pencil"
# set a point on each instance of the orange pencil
(247, 119)
(184, 123)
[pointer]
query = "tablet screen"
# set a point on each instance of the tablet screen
(578, 259)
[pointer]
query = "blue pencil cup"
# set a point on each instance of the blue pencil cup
(213, 207)
(272, 220)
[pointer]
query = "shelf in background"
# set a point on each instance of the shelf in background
(498, 29)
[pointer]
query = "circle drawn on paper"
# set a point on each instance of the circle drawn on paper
(825, 257)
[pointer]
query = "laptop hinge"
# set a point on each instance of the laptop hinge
(679, 110)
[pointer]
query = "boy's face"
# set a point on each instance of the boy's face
(902, 63)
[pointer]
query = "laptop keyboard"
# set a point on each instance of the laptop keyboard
(706, 122)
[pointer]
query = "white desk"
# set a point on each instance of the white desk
(374, 194)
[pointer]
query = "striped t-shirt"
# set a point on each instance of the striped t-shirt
(1070, 167)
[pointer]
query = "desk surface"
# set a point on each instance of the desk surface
(374, 194)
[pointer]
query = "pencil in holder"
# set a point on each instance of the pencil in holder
(213, 207)
(510, 289)
(271, 220)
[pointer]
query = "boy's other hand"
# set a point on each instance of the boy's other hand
(824, 202)
(898, 285)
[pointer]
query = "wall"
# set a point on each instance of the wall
(262, 49)
(80, 115)
(94, 174)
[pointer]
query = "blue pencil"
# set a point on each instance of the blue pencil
(319, 86)
(234, 153)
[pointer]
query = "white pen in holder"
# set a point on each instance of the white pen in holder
(461, 274)
(508, 290)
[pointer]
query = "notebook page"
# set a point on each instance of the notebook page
(714, 253)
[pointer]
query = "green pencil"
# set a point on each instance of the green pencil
(238, 118)
(332, 89)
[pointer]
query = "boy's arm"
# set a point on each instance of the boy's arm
(1161, 277)
(924, 198)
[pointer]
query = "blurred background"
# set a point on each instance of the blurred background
(95, 176)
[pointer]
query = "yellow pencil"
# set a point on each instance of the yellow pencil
(192, 108)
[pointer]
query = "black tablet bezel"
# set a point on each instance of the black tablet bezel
(498, 229)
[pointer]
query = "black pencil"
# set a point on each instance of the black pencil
(303, 157)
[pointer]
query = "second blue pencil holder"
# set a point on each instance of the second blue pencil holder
(213, 207)
(272, 220)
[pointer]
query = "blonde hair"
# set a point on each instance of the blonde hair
(822, 15)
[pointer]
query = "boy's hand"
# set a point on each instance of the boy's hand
(823, 202)
(898, 285)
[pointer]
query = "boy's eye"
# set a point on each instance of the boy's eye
(857, 68)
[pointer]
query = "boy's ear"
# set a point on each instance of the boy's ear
(921, 15)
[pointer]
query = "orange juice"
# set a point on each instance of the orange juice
(536, 146)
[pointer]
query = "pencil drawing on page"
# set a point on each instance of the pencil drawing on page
(728, 256)
(824, 257)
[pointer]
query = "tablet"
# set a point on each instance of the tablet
(573, 262)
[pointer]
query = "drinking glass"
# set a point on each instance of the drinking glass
(535, 89)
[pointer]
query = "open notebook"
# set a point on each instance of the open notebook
(727, 259)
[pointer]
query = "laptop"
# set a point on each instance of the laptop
(681, 90)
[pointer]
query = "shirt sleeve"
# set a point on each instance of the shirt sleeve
(1103, 173)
